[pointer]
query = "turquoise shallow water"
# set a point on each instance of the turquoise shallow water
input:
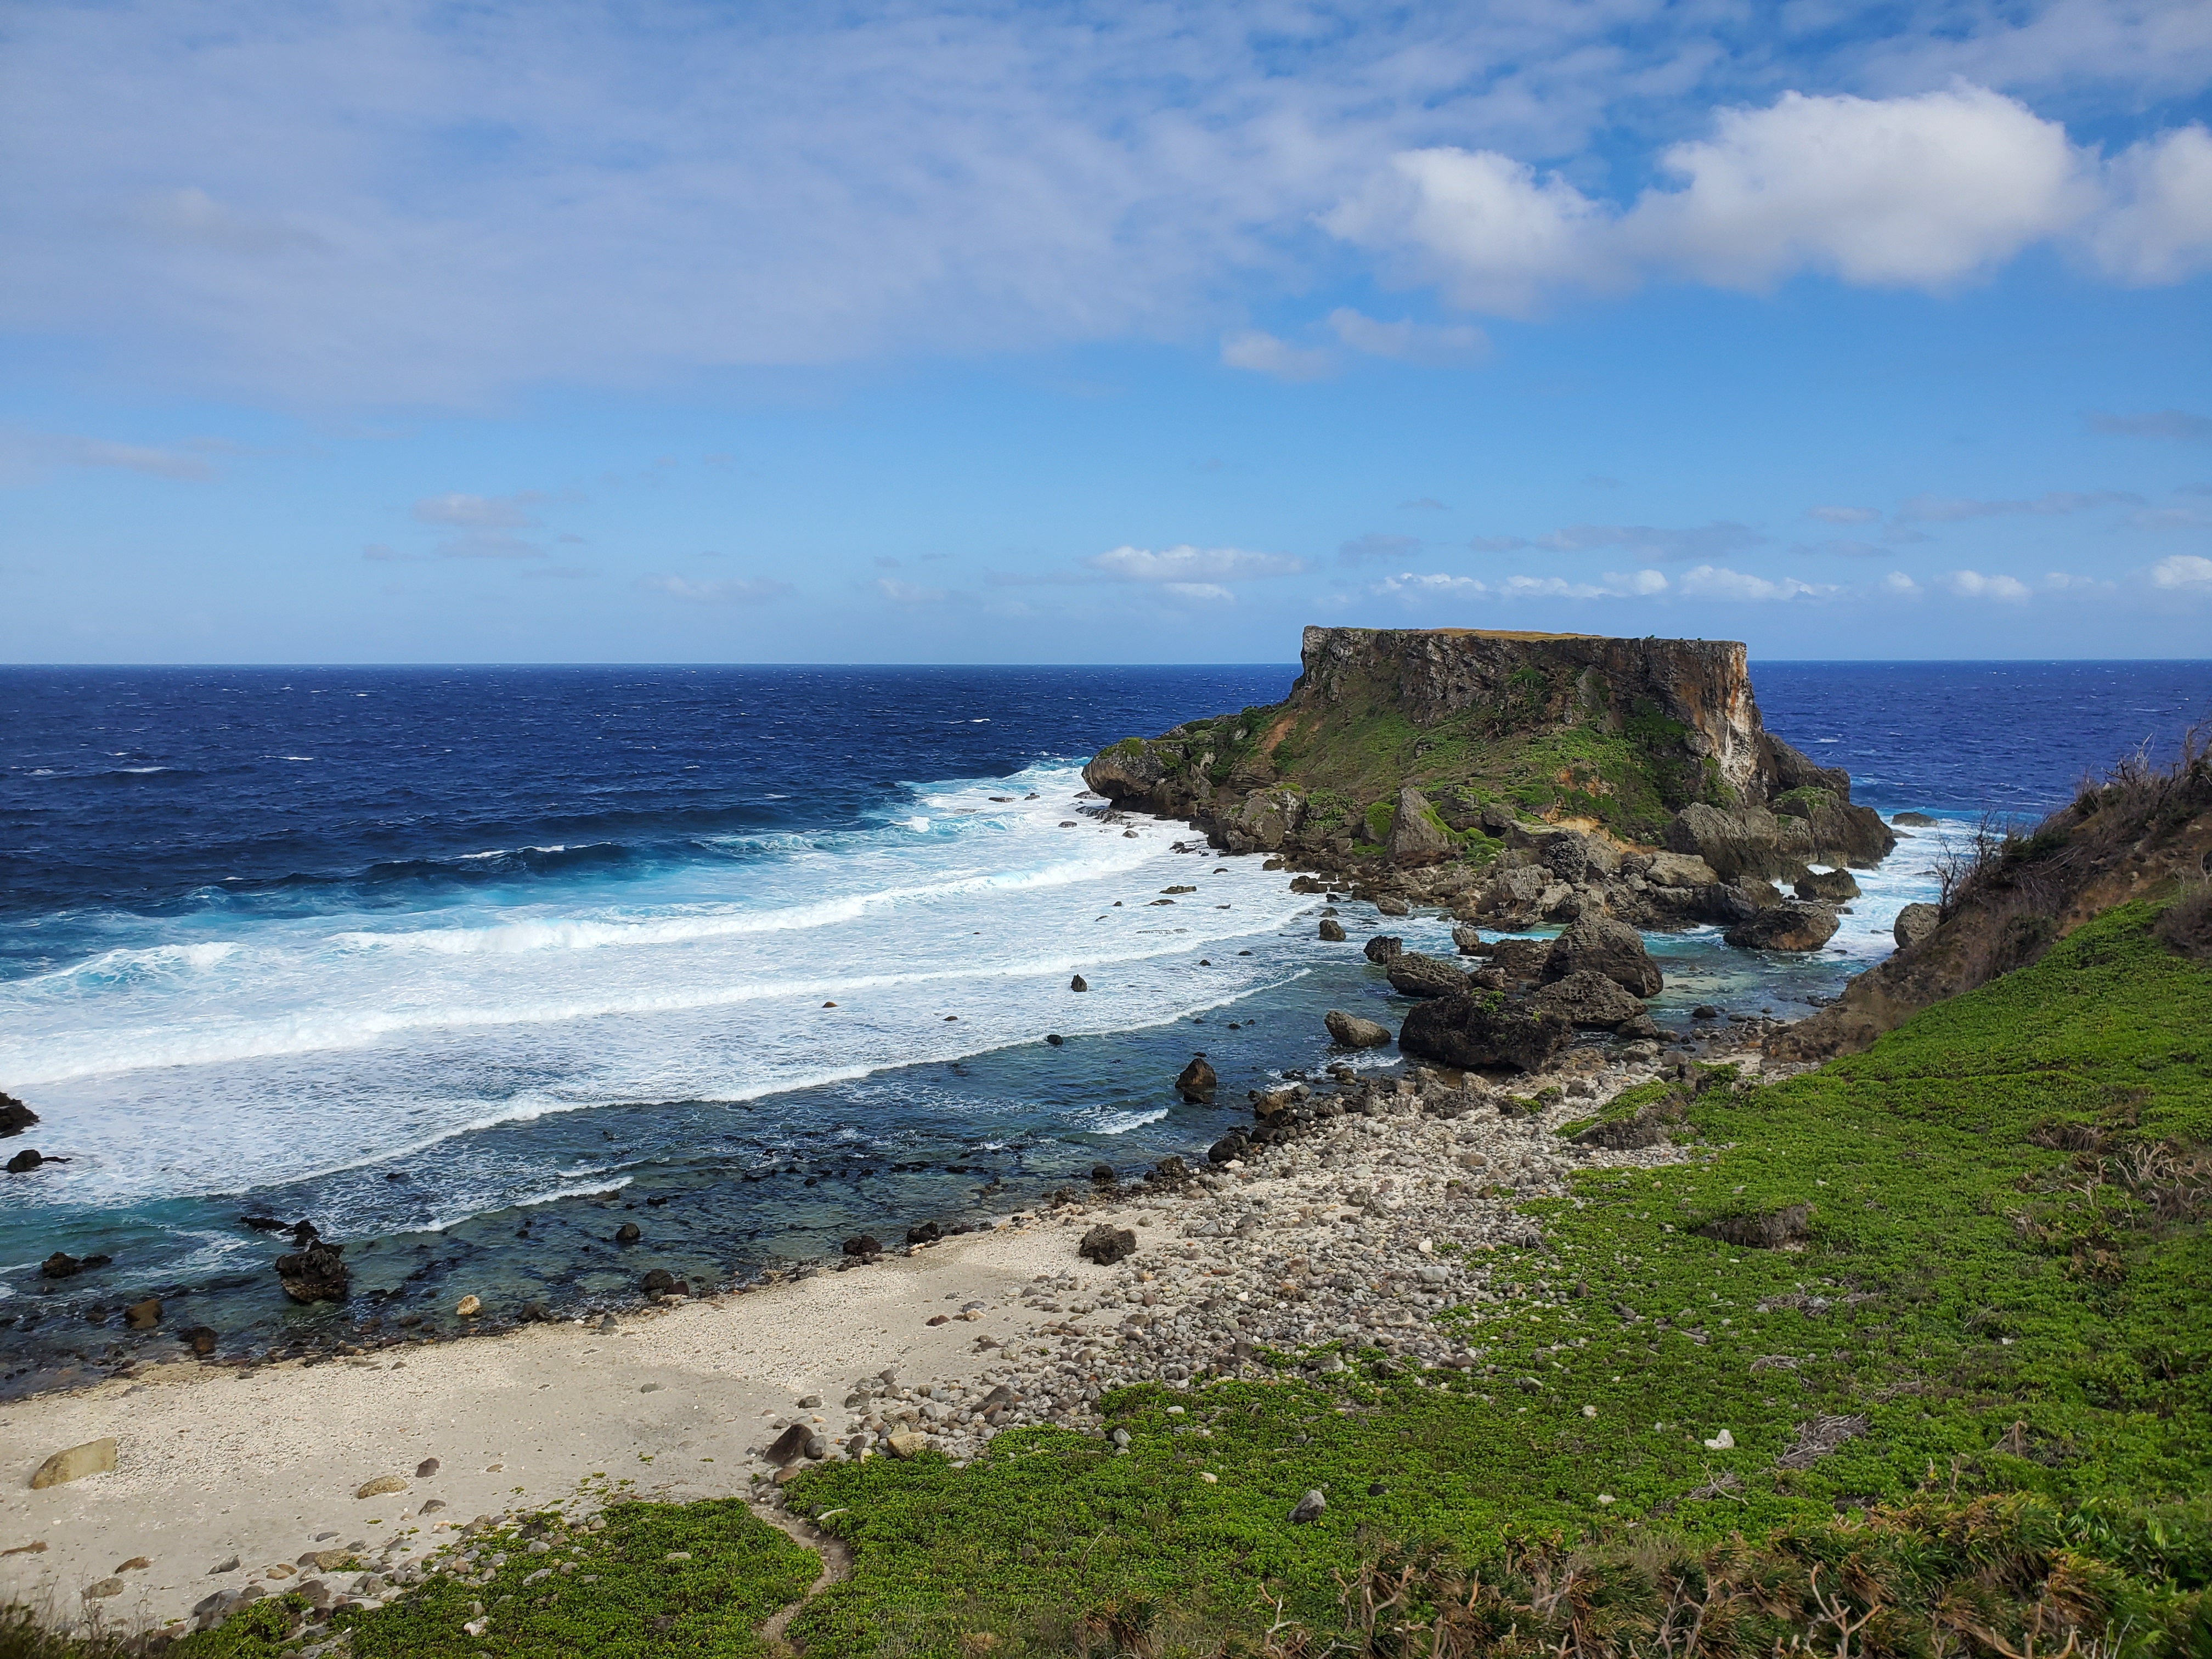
(466, 967)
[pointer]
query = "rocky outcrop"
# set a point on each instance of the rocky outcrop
(1482, 1029)
(15, 1116)
(1416, 836)
(1914, 923)
(1612, 949)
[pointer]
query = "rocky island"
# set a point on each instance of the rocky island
(1518, 779)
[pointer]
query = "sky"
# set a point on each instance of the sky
(385, 331)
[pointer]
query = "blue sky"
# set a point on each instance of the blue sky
(396, 332)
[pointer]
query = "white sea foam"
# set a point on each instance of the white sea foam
(234, 1053)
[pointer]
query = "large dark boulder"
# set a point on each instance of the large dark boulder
(1197, 1081)
(1587, 998)
(15, 1116)
(1827, 886)
(1599, 945)
(1383, 947)
(1793, 925)
(1520, 959)
(318, 1273)
(1106, 1244)
(1482, 1029)
(1413, 974)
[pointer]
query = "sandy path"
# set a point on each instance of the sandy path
(213, 1462)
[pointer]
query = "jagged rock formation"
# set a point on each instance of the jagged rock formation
(1518, 778)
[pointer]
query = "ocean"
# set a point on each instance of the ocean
(468, 965)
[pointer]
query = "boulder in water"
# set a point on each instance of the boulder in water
(1383, 947)
(15, 1116)
(1353, 1032)
(1793, 925)
(1079, 983)
(318, 1273)
(1602, 946)
(1331, 931)
(27, 1159)
(1197, 1081)
(1827, 886)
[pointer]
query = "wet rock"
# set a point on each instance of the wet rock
(1054, 1038)
(1602, 946)
(1106, 1245)
(1792, 925)
(426, 1468)
(1482, 1029)
(1413, 974)
(1468, 941)
(923, 1232)
(29, 1159)
(469, 1307)
(1520, 959)
(1914, 923)
(15, 1116)
(1705, 1010)
(1170, 1170)
(1913, 820)
(1197, 1081)
(659, 1282)
(143, 1316)
(1229, 1147)
(865, 1246)
(1353, 1032)
(1827, 886)
(1390, 905)
(1308, 1508)
(92, 1457)
(1332, 933)
(1769, 1229)
(261, 1223)
(628, 1233)
(318, 1273)
(200, 1339)
(1102, 1175)
(1079, 983)
(1587, 999)
(533, 1313)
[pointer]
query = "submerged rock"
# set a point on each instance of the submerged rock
(318, 1273)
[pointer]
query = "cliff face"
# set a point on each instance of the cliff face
(1657, 741)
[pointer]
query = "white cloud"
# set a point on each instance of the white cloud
(2157, 225)
(737, 591)
(1411, 588)
(2188, 571)
(1191, 564)
(1263, 354)
(1710, 581)
(1926, 190)
(476, 512)
(1898, 583)
(1409, 342)
(1843, 514)
(1972, 585)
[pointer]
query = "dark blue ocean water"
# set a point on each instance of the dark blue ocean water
(468, 965)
